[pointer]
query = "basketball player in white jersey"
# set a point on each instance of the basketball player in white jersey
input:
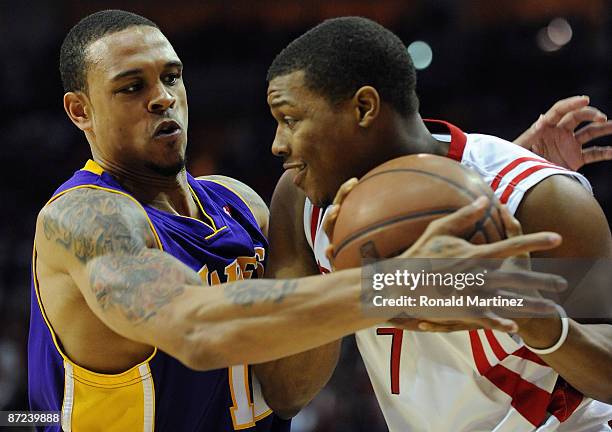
(344, 98)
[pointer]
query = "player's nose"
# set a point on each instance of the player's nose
(280, 146)
(161, 99)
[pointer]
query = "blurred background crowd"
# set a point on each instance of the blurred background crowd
(486, 66)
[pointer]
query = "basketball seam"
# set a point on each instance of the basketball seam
(439, 177)
(489, 193)
(391, 221)
(478, 226)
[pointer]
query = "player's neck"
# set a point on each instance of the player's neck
(411, 136)
(167, 193)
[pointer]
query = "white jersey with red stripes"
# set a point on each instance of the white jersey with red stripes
(479, 380)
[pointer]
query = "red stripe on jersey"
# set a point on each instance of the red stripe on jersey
(564, 401)
(505, 170)
(480, 358)
(322, 269)
(458, 139)
(527, 398)
(519, 178)
(499, 351)
(524, 353)
(314, 223)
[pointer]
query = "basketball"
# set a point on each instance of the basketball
(392, 205)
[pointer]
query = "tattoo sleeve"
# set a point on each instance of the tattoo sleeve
(110, 235)
(138, 286)
(89, 223)
(246, 293)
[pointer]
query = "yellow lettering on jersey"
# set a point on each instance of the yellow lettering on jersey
(244, 411)
(209, 278)
(203, 273)
(248, 265)
(260, 254)
(233, 271)
(214, 278)
(241, 268)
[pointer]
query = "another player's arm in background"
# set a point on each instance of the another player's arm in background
(554, 135)
(104, 242)
(562, 205)
(290, 383)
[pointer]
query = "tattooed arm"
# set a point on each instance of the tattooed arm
(103, 241)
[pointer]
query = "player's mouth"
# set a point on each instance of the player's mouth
(300, 168)
(167, 129)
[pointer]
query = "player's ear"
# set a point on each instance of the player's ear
(367, 105)
(77, 107)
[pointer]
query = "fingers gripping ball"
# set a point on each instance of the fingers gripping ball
(392, 205)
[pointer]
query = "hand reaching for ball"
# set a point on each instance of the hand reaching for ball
(443, 238)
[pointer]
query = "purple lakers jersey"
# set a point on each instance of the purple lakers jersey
(160, 394)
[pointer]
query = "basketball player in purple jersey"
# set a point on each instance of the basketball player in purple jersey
(343, 95)
(128, 331)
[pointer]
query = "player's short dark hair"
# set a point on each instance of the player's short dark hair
(73, 61)
(340, 55)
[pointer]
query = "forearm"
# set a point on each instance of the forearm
(583, 360)
(262, 320)
(290, 383)
(152, 298)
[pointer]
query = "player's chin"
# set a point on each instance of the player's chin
(168, 146)
(318, 196)
(168, 168)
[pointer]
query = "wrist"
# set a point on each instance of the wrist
(545, 335)
(540, 333)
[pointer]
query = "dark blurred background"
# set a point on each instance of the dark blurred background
(496, 66)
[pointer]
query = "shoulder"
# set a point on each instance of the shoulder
(288, 198)
(251, 198)
(290, 253)
(511, 170)
(491, 154)
(88, 222)
(288, 211)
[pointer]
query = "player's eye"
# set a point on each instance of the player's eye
(289, 121)
(171, 79)
(132, 88)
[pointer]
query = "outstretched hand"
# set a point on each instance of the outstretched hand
(442, 239)
(554, 135)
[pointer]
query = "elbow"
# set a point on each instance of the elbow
(287, 413)
(604, 396)
(600, 392)
(284, 405)
(601, 397)
(285, 397)
(197, 360)
(203, 351)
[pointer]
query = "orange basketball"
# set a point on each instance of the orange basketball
(391, 206)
